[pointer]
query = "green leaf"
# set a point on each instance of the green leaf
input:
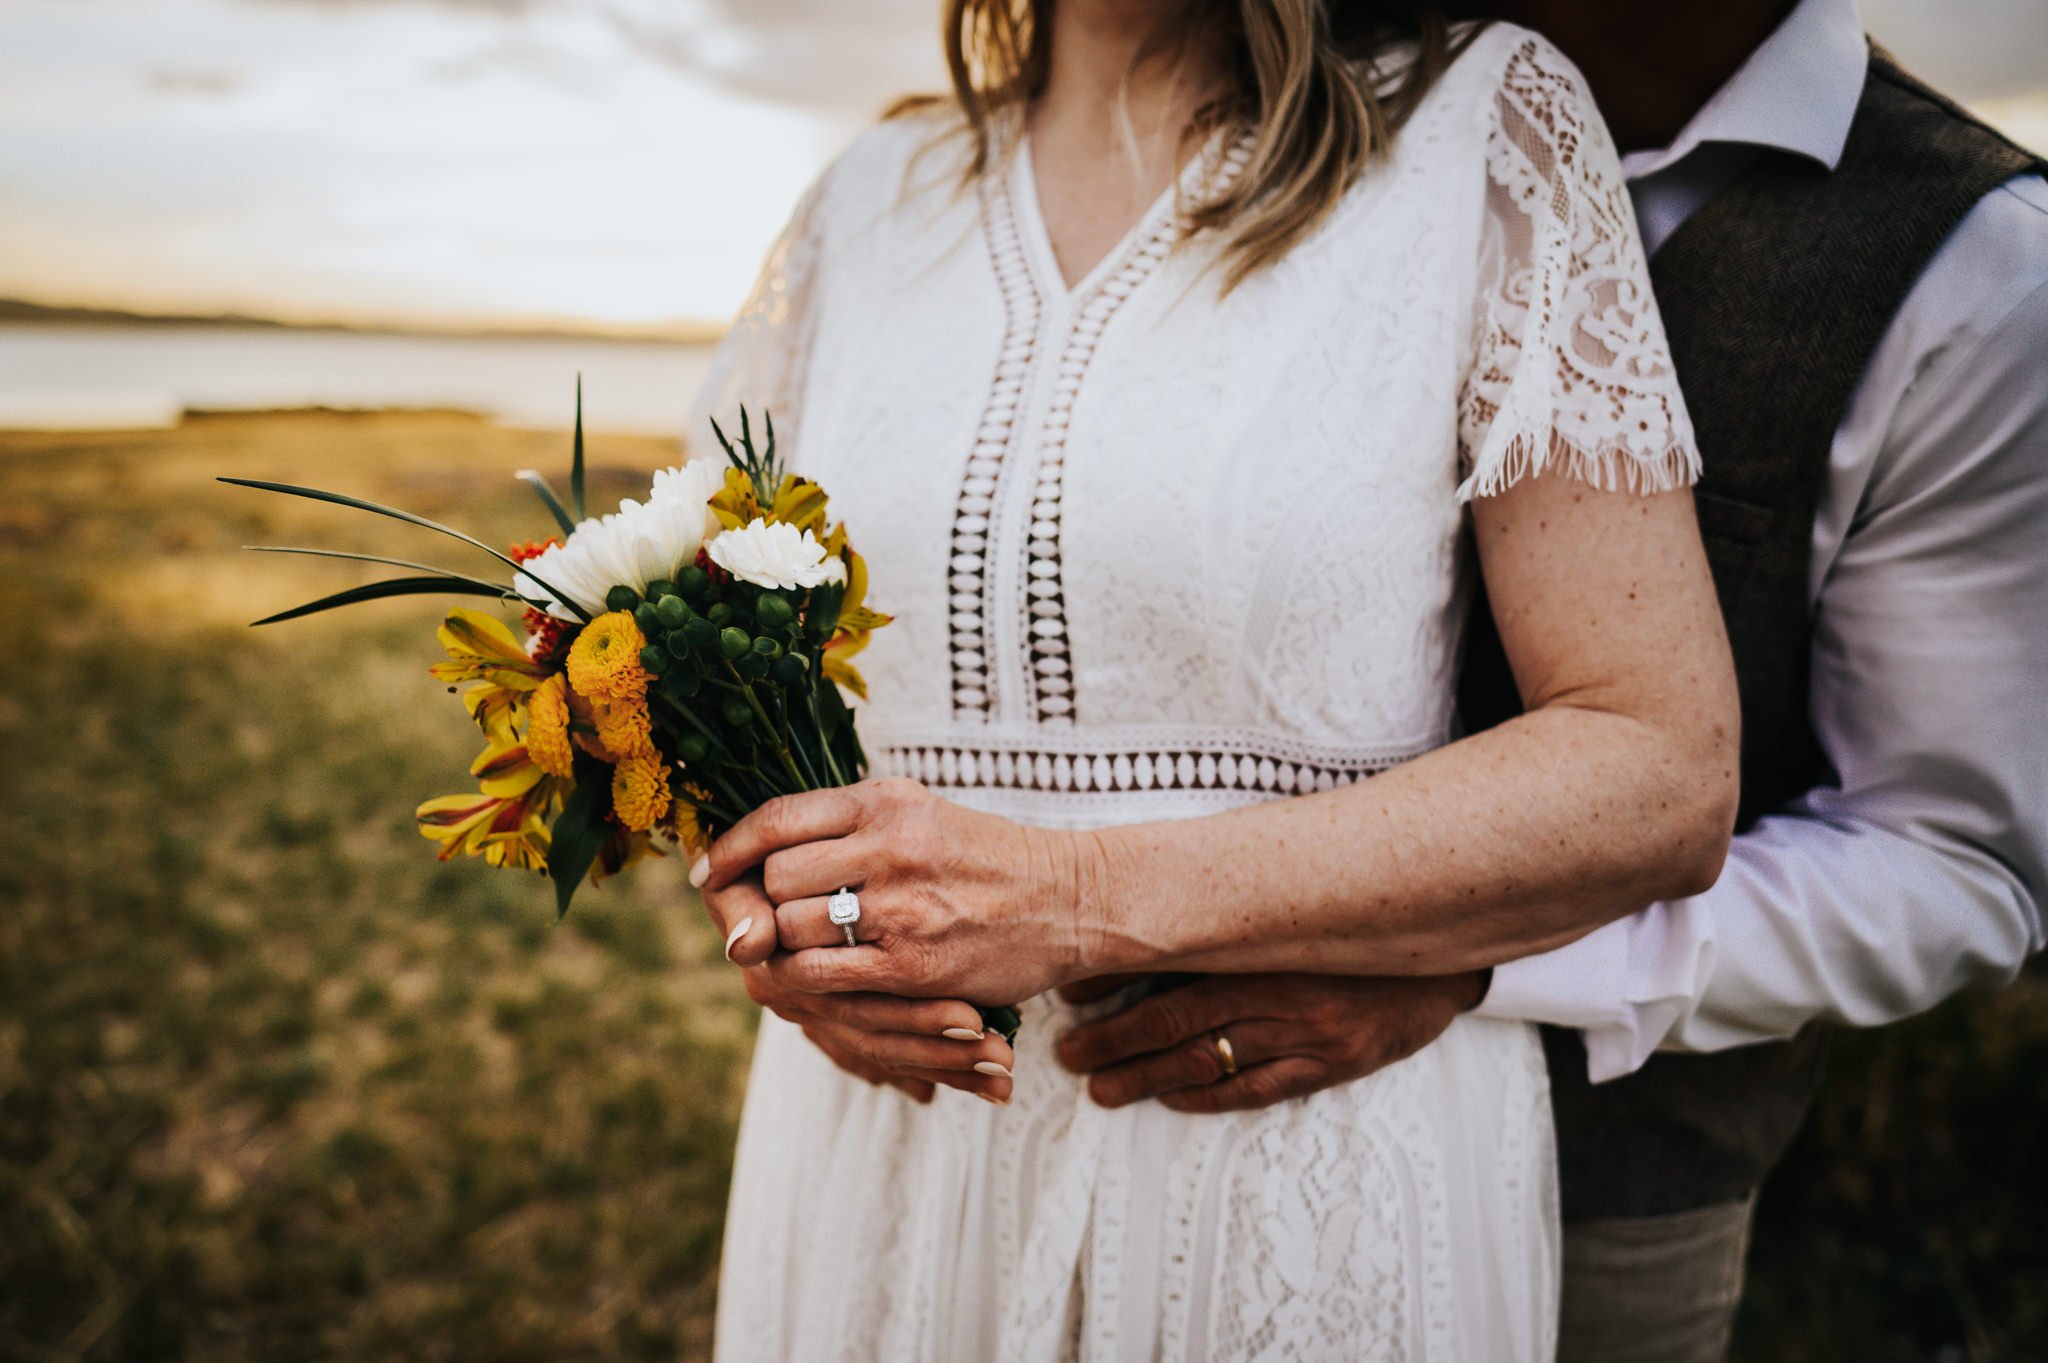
(397, 586)
(536, 480)
(580, 830)
(1003, 1021)
(576, 462)
(378, 508)
(450, 574)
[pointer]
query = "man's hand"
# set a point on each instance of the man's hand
(1292, 1035)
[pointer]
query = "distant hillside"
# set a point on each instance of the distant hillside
(20, 310)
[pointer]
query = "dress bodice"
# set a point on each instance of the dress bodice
(1153, 548)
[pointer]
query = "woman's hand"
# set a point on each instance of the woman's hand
(909, 1044)
(953, 903)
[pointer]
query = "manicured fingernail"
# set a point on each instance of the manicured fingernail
(991, 1068)
(700, 871)
(735, 935)
(991, 1098)
(961, 1034)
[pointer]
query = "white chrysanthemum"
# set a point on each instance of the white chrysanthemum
(775, 555)
(694, 484)
(631, 547)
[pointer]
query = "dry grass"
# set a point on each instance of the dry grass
(275, 1085)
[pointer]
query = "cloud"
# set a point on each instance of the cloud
(1971, 49)
(506, 8)
(184, 83)
(849, 58)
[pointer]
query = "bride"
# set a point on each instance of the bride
(1177, 508)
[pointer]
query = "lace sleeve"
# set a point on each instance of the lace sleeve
(762, 359)
(1571, 371)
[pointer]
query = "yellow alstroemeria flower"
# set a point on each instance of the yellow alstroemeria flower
(481, 648)
(505, 830)
(498, 711)
(798, 502)
(856, 621)
(506, 821)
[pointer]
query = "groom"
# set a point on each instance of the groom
(1854, 276)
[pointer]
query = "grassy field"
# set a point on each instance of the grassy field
(275, 1085)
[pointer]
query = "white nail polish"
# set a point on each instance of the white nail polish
(991, 1098)
(991, 1068)
(735, 935)
(700, 871)
(961, 1034)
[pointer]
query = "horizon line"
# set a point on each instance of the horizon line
(687, 332)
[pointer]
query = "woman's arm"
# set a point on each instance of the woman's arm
(1617, 787)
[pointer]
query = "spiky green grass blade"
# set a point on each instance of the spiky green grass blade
(378, 508)
(377, 591)
(536, 480)
(576, 460)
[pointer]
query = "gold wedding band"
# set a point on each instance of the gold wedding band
(1226, 1053)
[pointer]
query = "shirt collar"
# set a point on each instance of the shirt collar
(1797, 92)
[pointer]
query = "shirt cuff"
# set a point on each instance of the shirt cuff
(1583, 985)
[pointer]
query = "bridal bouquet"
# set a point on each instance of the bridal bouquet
(682, 663)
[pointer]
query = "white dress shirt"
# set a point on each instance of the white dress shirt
(1924, 871)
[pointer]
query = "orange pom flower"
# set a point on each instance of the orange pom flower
(604, 662)
(547, 728)
(640, 795)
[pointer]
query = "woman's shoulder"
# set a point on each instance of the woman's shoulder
(1507, 61)
(922, 145)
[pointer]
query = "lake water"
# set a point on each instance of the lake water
(55, 375)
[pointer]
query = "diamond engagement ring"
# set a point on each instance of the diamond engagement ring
(843, 909)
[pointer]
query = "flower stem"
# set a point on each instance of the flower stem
(824, 745)
(768, 725)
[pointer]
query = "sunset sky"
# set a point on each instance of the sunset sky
(619, 163)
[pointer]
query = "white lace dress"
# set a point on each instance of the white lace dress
(1155, 554)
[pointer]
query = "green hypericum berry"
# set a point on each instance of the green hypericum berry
(702, 634)
(677, 642)
(659, 588)
(692, 748)
(734, 643)
(684, 681)
(790, 670)
(672, 612)
(737, 713)
(693, 582)
(767, 647)
(721, 614)
(774, 611)
(645, 617)
(753, 667)
(654, 660)
(621, 599)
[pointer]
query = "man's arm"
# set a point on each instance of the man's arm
(1925, 869)
(1922, 873)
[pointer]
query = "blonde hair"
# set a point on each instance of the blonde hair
(1310, 80)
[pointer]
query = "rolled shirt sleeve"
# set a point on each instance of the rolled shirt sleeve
(1923, 870)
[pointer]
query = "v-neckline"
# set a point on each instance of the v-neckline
(1038, 248)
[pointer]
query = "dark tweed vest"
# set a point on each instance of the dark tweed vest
(1774, 295)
